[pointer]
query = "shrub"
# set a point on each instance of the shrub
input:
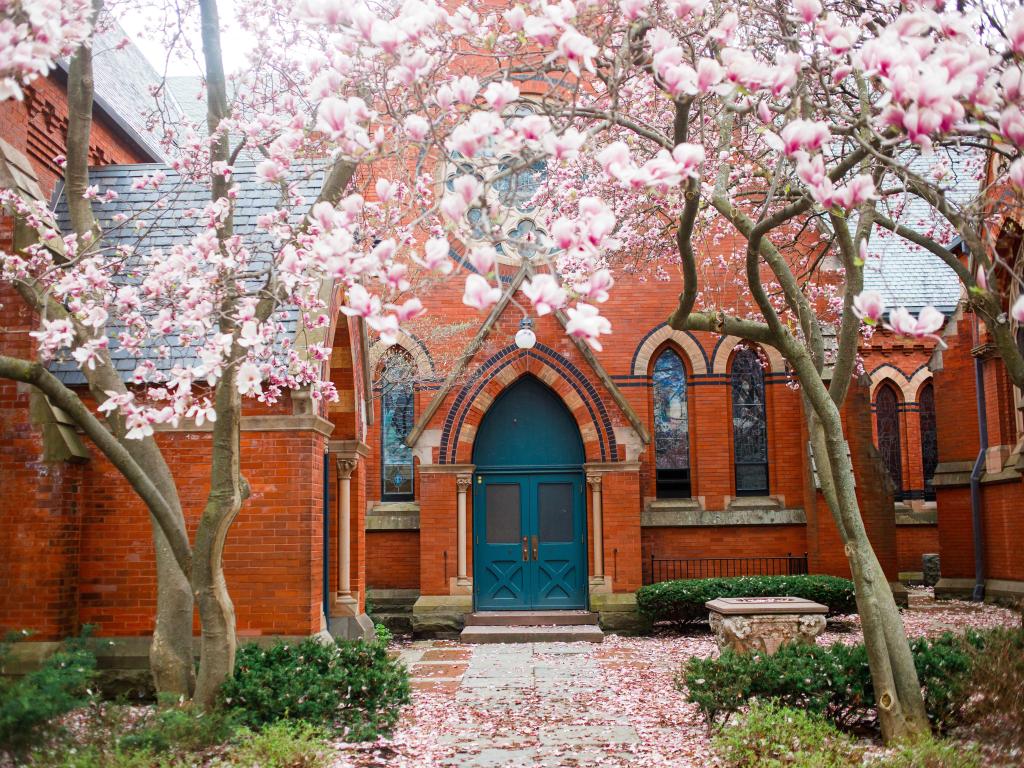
(930, 753)
(29, 704)
(350, 688)
(833, 681)
(682, 602)
(281, 745)
(771, 736)
(115, 757)
(995, 689)
(181, 728)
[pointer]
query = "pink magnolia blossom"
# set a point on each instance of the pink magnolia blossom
(806, 135)
(807, 10)
(585, 322)
(408, 310)
(500, 94)
(249, 379)
(1015, 31)
(479, 293)
(596, 287)
(359, 302)
(928, 321)
(483, 258)
(544, 293)
(577, 49)
(1017, 310)
(1016, 173)
(869, 306)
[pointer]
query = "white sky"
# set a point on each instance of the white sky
(142, 28)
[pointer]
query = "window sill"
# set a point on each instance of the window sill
(394, 516)
(687, 513)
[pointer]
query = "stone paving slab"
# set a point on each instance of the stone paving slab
(530, 705)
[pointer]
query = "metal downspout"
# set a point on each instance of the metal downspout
(977, 530)
(327, 539)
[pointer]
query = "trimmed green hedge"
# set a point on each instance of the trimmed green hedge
(682, 602)
(352, 689)
(833, 681)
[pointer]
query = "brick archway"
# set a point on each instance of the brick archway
(683, 341)
(578, 393)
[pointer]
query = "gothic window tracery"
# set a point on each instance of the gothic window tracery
(749, 423)
(671, 427)
(929, 439)
(887, 425)
(397, 419)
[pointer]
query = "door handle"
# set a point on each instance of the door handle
(526, 549)
(534, 547)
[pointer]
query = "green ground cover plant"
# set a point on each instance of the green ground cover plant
(30, 704)
(832, 681)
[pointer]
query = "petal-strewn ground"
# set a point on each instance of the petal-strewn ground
(558, 704)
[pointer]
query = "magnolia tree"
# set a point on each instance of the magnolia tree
(642, 134)
(776, 147)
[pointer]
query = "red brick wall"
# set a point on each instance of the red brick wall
(913, 541)
(37, 126)
(723, 541)
(273, 556)
(393, 559)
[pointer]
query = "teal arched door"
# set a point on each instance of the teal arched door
(529, 514)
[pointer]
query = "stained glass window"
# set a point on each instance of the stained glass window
(749, 425)
(887, 422)
(929, 439)
(397, 406)
(671, 427)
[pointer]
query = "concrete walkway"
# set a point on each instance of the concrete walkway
(549, 704)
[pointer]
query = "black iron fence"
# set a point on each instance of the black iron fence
(666, 569)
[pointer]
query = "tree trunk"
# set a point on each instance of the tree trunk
(171, 658)
(227, 490)
(901, 711)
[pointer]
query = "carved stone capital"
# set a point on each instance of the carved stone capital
(594, 480)
(764, 633)
(462, 482)
(346, 466)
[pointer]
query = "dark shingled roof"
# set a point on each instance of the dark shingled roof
(167, 226)
(123, 79)
(906, 274)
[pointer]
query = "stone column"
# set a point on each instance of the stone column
(462, 483)
(345, 469)
(594, 479)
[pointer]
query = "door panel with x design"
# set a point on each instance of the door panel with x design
(529, 542)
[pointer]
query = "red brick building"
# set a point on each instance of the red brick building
(461, 471)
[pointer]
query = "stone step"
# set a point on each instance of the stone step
(392, 600)
(573, 633)
(529, 618)
(398, 623)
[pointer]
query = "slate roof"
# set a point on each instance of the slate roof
(170, 225)
(906, 274)
(186, 91)
(122, 79)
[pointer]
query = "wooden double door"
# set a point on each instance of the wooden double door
(529, 537)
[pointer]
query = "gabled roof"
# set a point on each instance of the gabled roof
(123, 82)
(167, 226)
(906, 274)
(508, 291)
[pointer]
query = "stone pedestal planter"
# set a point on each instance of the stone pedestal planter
(763, 624)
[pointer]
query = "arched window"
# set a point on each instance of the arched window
(929, 438)
(887, 422)
(397, 417)
(671, 427)
(749, 424)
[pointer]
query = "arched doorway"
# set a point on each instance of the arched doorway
(529, 517)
